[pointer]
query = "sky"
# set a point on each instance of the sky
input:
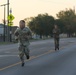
(30, 8)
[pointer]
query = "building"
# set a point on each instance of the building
(13, 28)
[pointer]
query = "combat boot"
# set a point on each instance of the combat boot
(23, 64)
(55, 49)
(27, 56)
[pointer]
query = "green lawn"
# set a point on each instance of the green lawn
(5, 43)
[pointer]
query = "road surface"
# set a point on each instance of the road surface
(44, 60)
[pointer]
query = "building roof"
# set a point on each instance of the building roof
(2, 25)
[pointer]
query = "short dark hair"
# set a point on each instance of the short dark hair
(22, 21)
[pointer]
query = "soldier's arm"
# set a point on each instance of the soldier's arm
(59, 31)
(16, 33)
(53, 32)
(29, 34)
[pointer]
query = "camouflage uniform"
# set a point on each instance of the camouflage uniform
(23, 35)
(56, 33)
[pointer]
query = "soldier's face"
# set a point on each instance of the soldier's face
(56, 26)
(21, 24)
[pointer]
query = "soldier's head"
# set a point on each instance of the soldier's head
(22, 24)
(55, 26)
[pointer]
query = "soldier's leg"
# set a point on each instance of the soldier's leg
(27, 52)
(58, 43)
(55, 43)
(21, 53)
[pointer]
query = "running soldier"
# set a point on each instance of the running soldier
(23, 34)
(56, 32)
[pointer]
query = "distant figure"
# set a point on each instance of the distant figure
(56, 32)
(23, 34)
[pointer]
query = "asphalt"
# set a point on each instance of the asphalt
(44, 60)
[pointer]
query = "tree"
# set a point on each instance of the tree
(68, 17)
(42, 24)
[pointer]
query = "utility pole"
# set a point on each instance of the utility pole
(8, 33)
(4, 20)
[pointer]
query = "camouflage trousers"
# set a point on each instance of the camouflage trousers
(23, 50)
(56, 40)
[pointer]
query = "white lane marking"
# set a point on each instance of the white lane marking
(7, 55)
(10, 52)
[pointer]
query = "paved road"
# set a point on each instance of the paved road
(44, 60)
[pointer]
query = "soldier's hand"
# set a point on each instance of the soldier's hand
(16, 39)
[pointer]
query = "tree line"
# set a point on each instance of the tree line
(43, 23)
